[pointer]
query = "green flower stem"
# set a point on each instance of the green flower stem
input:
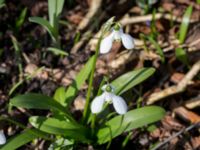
(127, 138)
(93, 123)
(86, 109)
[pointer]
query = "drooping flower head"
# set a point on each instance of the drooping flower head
(2, 138)
(108, 96)
(117, 34)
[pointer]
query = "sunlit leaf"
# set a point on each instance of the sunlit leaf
(57, 51)
(131, 120)
(59, 95)
(131, 79)
(185, 24)
(55, 8)
(58, 127)
(20, 140)
(46, 25)
(38, 101)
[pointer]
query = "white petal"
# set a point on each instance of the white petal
(2, 138)
(117, 34)
(127, 41)
(108, 96)
(106, 44)
(119, 105)
(97, 104)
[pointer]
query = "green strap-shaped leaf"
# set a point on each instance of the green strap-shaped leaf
(185, 24)
(46, 25)
(21, 19)
(38, 101)
(158, 48)
(131, 120)
(59, 127)
(131, 79)
(57, 51)
(55, 8)
(59, 95)
(78, 82)
(20, 140)
(181, 55)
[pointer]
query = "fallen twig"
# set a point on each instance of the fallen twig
(193, 103)
(177, 88)
(175, 135)
(138, 19)
(93, 10)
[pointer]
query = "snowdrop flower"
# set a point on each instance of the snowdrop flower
(109, 97)
(2, 138)
(116, 35)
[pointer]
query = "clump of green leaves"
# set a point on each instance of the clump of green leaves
(52, 25)
(66, 130)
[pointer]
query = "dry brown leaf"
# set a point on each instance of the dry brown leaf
(187, 115)
(176, 77)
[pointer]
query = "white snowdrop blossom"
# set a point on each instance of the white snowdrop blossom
(2, 138)
(108, 96)
(117, 34)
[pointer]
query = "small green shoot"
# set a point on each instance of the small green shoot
(18, 52)
(20, 20)
(184, 25)
(57, 51)
(181, 55)
(157, 47)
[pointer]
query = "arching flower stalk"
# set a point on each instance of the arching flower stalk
(109, 97)
(2, 138)
(117, 34)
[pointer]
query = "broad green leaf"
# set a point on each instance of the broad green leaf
(181, 55)
(131, 120)
(78, 82)
(57, 51)
(58, 127)
(38, 101)
(20, 140)
(46, 25)
(198, 1)
(59, 95)
(131, 79)
(158, 49)
(21, 19)
(55, 8)
(185, 24)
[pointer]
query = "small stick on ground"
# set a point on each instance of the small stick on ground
(93, 10)
(175, 135)
(132, 20)
(177, 88)
(193, 103)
